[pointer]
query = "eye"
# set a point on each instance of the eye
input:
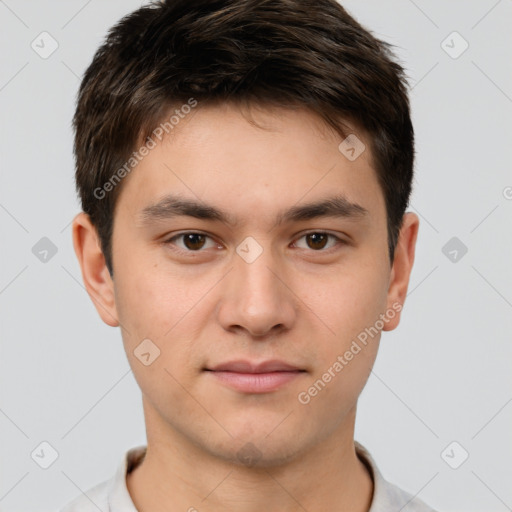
(319, 241)
(191, 241)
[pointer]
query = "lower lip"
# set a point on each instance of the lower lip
(256, 382)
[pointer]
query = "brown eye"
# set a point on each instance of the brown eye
(191, 241)
(317, 240)
(194, 241)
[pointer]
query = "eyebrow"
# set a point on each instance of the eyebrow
(174, 206)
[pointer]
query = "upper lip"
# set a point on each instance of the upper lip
(241, 366)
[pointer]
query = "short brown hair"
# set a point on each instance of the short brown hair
(308, 53)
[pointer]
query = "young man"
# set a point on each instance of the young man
(244, 168)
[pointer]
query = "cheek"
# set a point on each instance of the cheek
(141, 301)
(345, 359)
(155, 315)
(150, 300)
(346, 302)
(348, 306)
(165, 309)
(334, 390)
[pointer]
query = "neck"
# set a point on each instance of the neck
(178, 475)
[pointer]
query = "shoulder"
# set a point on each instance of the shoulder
(387, 497)
(112, 494)
(398, 499)
(93, 500)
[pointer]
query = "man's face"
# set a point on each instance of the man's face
(260, 285)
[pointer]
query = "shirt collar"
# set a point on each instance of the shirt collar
(385, 495)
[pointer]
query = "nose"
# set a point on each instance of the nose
(256, 299)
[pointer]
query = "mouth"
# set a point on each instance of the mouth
(250, 377)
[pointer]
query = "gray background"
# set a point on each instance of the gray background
(444, 375)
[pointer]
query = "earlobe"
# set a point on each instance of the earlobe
(402, 267)
(95, 274)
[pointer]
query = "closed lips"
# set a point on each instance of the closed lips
(241, 366)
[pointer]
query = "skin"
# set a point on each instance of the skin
(295, 303)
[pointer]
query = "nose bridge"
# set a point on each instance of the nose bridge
(257, 301)
(260, 283)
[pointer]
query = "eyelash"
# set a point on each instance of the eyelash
(338, 241)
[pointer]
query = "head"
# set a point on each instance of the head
(244, 167)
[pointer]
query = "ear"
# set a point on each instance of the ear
(401, 269)
(95, 274)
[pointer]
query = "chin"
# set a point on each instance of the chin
(263, 447)
(261, 454)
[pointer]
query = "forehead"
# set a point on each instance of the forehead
(253, 162)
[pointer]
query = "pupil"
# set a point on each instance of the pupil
(318, 240)
(194, 241)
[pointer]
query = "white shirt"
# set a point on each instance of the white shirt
(113, 496)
